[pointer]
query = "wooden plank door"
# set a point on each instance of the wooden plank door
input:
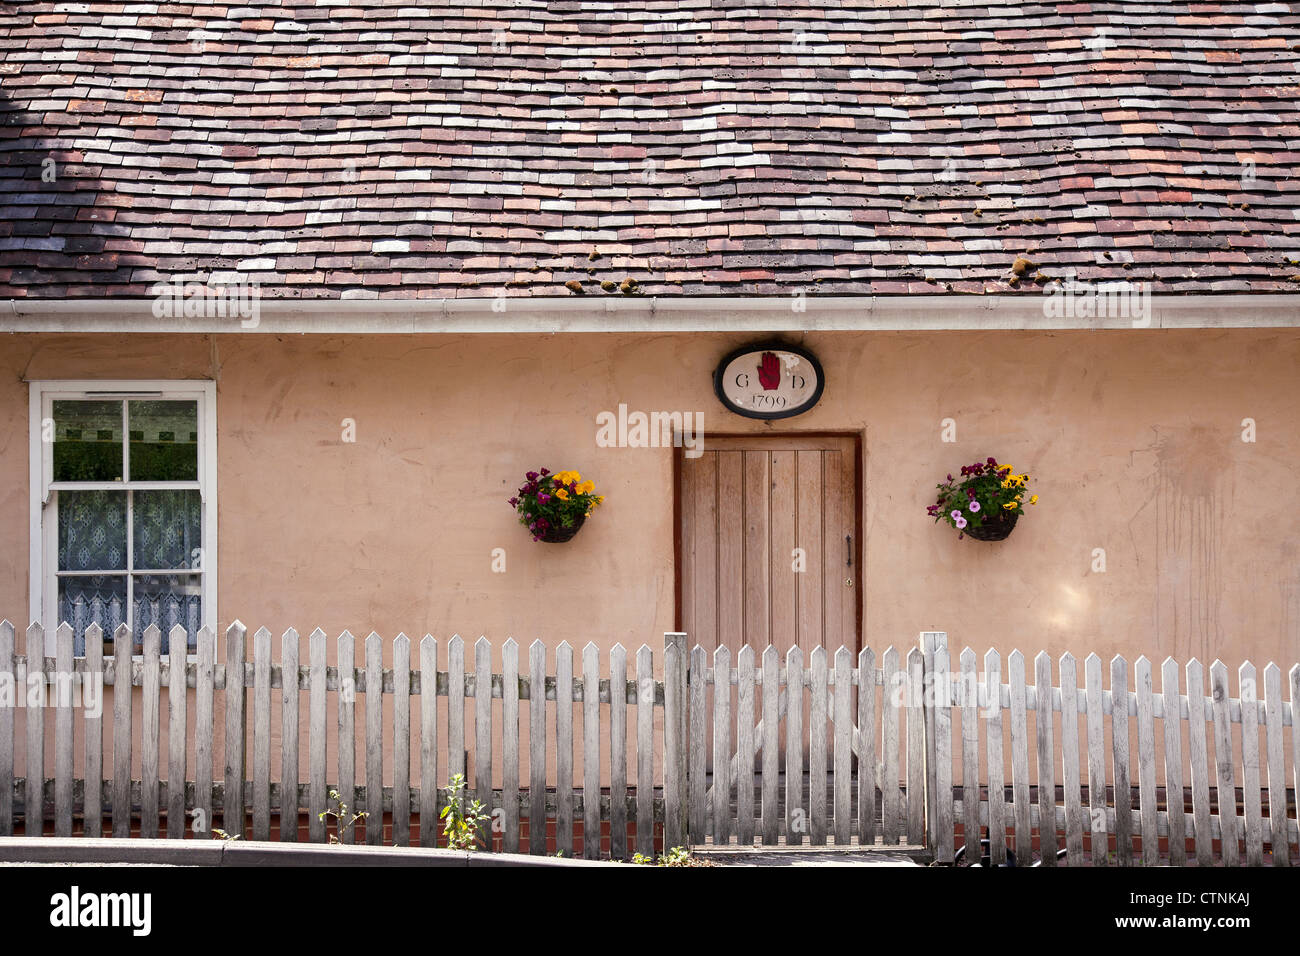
(770, 549)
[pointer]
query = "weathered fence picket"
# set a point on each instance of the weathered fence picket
(34, 791)
(536, 753)
(1173, 737)
(9, 675)
(646, 692)
(745, 747)
(93, 769)
(483, 723)
(288, 734)
(591, 751)
(618, 691)
(177, 701)
(428, 687)
(889, 751)
(509, 753)
(261, 734)
(375, 740)
(122, 733)
(564, 748)
(63, 732)
(347, 740)
(1046, 758)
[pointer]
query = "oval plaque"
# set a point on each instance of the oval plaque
(769, 381)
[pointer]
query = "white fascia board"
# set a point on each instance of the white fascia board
(649, 314)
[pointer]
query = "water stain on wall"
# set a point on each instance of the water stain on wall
(1189, 532)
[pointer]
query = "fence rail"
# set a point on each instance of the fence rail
(601, 756)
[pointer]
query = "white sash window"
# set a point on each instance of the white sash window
(123, 478)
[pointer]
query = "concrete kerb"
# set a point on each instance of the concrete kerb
(88, 850)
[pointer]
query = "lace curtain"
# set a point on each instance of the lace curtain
(165, 536)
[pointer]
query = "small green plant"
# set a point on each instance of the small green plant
(462, 825)
(339, 814)
(677, 856)
(223, 835)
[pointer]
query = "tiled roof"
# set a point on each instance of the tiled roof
(361, 148)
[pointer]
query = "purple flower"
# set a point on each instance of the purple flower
(547, 471)
(974, 506)
(544, 498)
(531, 476)
(992, 462)
(956, 516)
(961, 522)
(950, 477)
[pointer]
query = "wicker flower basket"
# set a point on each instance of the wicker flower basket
(554, 535)
(991, 530)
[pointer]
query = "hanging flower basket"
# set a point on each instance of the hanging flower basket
(553, 507)
(991, 530)
(554, 534)
(985, 503)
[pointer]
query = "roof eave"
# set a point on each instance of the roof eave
(649, 314)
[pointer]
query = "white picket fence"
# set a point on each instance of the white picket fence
(163, 782)
(764, 748)
(1226, 794)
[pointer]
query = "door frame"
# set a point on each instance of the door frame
(860, 492)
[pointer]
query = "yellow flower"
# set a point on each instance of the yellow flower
(600, 499)
(562, 494)
(586, 488)
(1033, 500)
(1009, 505)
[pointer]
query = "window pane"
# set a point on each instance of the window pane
(92, 531)
(168, 600)
(164, 441)
(166, 529)
(87, 441)
(87, 600)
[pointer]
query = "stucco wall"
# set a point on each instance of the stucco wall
(1134, 439)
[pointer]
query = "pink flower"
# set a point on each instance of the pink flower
(956, 516)
(974, 506)
(961, 522)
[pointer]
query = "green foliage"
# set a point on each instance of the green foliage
(343, 821)
(223, 835)
(677, 856)
(462, 825)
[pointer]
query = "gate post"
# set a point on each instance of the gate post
(676, 664)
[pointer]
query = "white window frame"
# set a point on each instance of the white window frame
(43, 537)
